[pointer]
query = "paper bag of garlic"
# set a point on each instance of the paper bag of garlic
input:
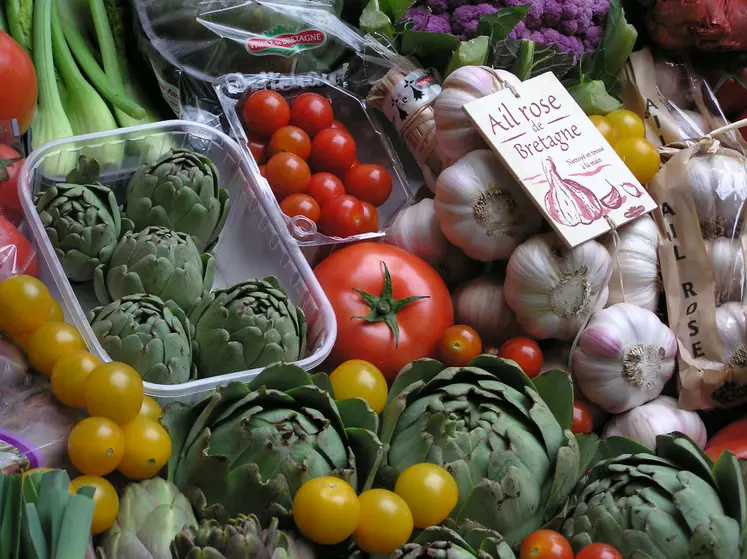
(703, 269)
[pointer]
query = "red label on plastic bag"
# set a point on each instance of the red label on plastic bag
(286, 42)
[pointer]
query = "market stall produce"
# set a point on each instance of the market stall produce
(409, 280)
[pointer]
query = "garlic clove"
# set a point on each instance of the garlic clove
(481, 304)
(417, 230)
(727, 263)
(732, 329)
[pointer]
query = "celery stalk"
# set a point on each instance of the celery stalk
(20, 14)
(50, 121)
(88, 112)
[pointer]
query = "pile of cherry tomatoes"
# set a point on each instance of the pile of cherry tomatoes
(309, 160)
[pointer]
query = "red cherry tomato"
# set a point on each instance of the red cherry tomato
(332, 150)
(291, 139)
(18, 96)
(526, 353)
(546, 544)
(337, 124)
(258, 146)
(370, 218)
(583, 419)
(287, 174)
(9, 171)
(599, 551)
(355, 163)
(301, 204)
(312, 113)
(263, 170)
(266, 111)
(17, 255)
(459, 345)
(368, 182)
(325, 186)
(342, 216)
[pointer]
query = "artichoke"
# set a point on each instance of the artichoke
(250, 447)
(156, 261)
(250, 325)
(672, 504)
(241, 538)
(82, 220)
(469, 541)
(151, 513)
(142, 331)
(180, 192)
(488, 425)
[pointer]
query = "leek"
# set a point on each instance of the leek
(88, 112)
(20, 14)
(3, 19)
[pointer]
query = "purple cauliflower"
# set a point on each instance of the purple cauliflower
(454, 4)
(423, 19)
(439, 24)
(465, 18)
(419, 16)
(438, 6)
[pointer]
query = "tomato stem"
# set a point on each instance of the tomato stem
(384, 308)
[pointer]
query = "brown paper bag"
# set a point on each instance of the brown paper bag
(705, 380)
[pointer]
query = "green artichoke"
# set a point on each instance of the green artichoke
(250, 447)
(468, 541)
(514, 463)
(82, 220)
(249, 325)
(672, 504)
(180, 192)
(151, 513)
(156, 261)
(241, 538)
(142, 331)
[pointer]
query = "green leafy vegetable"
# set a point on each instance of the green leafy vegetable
(497, 26)
(432, 49)
(374, 21)
(525, 58)
(470, 53)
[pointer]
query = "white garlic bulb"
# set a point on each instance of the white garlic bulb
(480, 304)
(416, 230)
(456, 136)
(482, 209)
(624, 357)
(732, 329)
(718, 182)
(727, 263)
(553, 290)
(658, 417)
(635, 266)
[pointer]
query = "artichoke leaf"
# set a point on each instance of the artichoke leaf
(588, 446)
(730, 484)
(368, 452)
(682, 449)
(556, 389)
(718, 539)
(617, 447)
(566, 475)
(550, 429)
(413, 374)
(504, 370)
(355, 412)
(322, 381)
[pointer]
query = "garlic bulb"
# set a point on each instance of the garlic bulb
(553, 290)
(480, 304)
(456, 267)
(624, 357)
(718, 182)
(635, 267)
(658, 417)
(482, 209)
(727, 262)
(416, 230)
(456, 136)
(732, 330)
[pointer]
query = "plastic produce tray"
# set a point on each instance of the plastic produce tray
(252, 244)
(373, 145)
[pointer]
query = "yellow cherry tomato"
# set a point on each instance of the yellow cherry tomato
(627, 124)
(25, 304)
(605, 127)
(70, 375)
(96, 446)
(641, 157)
(385, 522)
(105, 499)
(55, 313)
(326, 510)
(114, 390)
(147, 449)
(150, 409)
(429, 491)
(51, 341)
(360, 379)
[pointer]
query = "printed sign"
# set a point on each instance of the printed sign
(563, 162)
(284, 41)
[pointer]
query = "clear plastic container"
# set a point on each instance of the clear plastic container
(251, 245)
(372, 143)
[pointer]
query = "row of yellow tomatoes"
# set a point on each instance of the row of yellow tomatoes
(122, 431)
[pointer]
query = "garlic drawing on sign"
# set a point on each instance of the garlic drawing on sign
(567, 201)
(613, 199)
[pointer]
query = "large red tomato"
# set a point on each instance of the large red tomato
(10, 169)
(383, 322)
(733, 437)
(16, 253)
(18, 94)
